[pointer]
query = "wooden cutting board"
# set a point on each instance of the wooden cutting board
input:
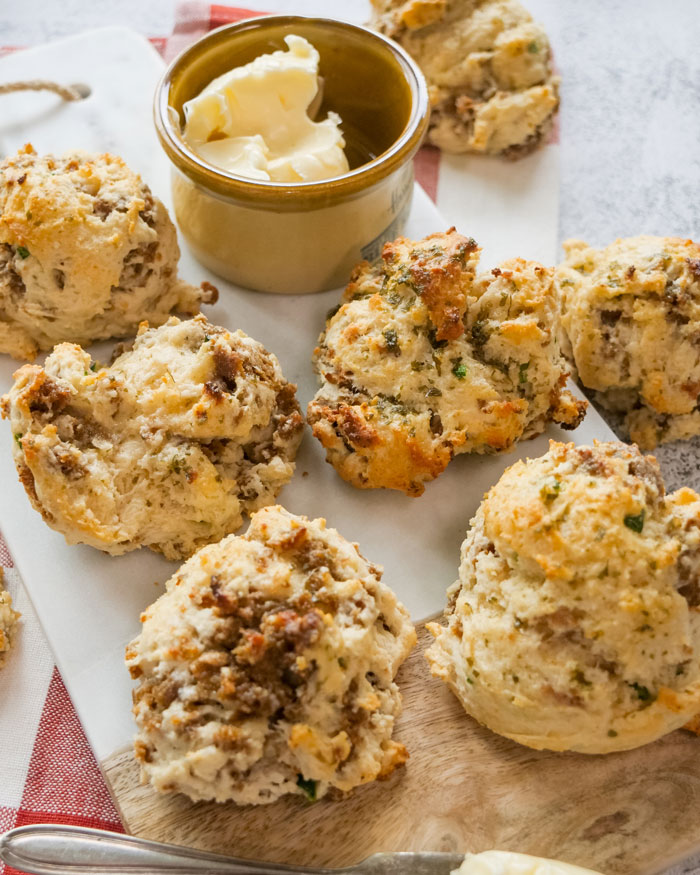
(463, 789)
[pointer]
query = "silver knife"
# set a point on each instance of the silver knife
(46, 849)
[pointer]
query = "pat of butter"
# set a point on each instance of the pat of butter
(253, 120)
(507, 863)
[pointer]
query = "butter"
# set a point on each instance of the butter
(253, 120)
(507, 863)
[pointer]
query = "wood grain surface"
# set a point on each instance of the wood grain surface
(464, 788)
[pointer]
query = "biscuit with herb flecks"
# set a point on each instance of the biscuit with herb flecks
(86, 253)
(489, 71)
(424, 359)
(574, 623)
(631, 312)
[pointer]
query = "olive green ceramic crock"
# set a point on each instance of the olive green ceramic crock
(299, 237)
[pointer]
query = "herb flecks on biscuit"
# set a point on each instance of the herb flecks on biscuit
(631, 312)
(86, 253)
(424, 360)
(574, 623)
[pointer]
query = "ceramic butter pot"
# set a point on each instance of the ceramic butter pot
(300, 237)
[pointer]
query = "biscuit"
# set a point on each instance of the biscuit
(166, 448)
(86, 253)
(268, 668)
(488, 67)
(8, 621)
(574, 623)
(424, 360)
(631, 312)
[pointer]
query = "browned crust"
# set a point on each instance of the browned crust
(504, 427)
(416, 14)
(566, 410)
(26, 478)
(437, 268)
(693, 725)
(397, 459)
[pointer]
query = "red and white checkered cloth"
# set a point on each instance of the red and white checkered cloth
(48, 773)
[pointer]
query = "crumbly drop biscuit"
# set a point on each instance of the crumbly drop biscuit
(8, 621)
(424, 360)
(574, 624)
(86, 253)
(268, 668)
(166, 448)
(631, 312)
(488, 67)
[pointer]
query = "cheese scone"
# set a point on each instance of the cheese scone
(8, 621)
(424, 360)
(631, 312)
(165, 448)
(574, 624)
(488, 67)
(268, 667)
(86, 253)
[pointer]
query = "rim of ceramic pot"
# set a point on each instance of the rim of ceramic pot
(242, 189)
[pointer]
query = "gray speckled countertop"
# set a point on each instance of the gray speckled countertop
(630, 122)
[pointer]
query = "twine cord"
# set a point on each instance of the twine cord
(67, 92)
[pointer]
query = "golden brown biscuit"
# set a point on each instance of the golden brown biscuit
(424, 360)
(268, 668)
(631, 312)
(489, 71)
(166, 448)
(86, 253)
(574, 624)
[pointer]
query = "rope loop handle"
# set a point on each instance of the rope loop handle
(67, 92)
